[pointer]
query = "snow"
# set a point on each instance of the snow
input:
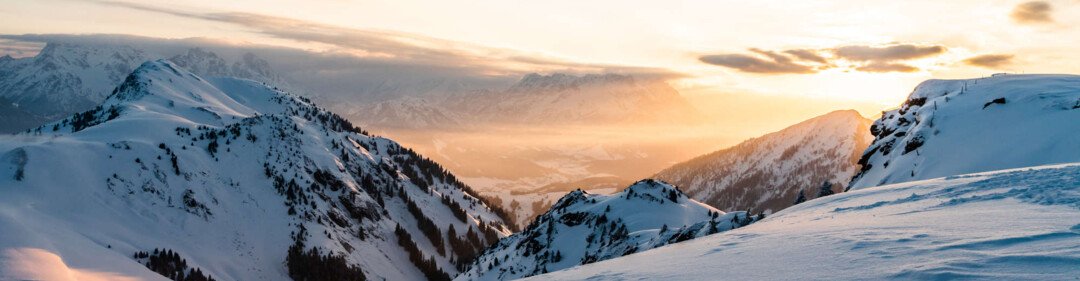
(80, 203)
(1020, 224)
(766, 173)
(582, 228)
(963, 130)
(67, 77)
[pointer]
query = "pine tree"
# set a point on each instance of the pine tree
(826, 190)
(801, 198)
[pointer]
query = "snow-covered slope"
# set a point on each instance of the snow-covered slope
(583, 228)
(951, 127)
(65, 78)
(766, 174)
(1021, 224)
(240, 180)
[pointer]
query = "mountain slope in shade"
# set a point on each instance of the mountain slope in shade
(65, 78)
(1020, 224)
(583, 228)
(951, 127)
(766, 174)
(239, 180)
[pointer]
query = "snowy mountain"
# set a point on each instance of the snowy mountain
(65, 78)
(583, 228)
(1020, 224)
(950, 127)
(766, 174)
(230, 179)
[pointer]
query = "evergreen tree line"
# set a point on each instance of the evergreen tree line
(169, 264)
(426, 265)
(311, 265)
(428, 227)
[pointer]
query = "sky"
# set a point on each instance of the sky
(867, 54)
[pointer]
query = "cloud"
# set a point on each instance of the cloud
(887, 53)
(776, 64)
(877, 59)
(1033, 12)
(402, 47)
(880, 67)
(807, 55)
(990, 61)
(18, 49)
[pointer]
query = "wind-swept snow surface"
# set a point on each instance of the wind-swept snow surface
(1021, 224)
(951, 127)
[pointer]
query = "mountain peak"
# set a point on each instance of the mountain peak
(203, 166)
(654, 189)
(585, 228)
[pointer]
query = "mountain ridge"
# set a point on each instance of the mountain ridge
(582, 228)
(766, 173)
(239, 179)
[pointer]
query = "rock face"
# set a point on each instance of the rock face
(583, 228)
(237, 180)
(951, 127)
(766, 174)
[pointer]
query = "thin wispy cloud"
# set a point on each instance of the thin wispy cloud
(807, 55)
(887, 53)
(881, 67)
(752, 64)
(1034, 12)
(865, 58)
(15, 48)
(990, 60)
(400, 46)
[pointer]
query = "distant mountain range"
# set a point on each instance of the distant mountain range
(66, 78)
(540, 100)
(767, 173)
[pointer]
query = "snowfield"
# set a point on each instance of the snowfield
(952, 127)
(1020, 224)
